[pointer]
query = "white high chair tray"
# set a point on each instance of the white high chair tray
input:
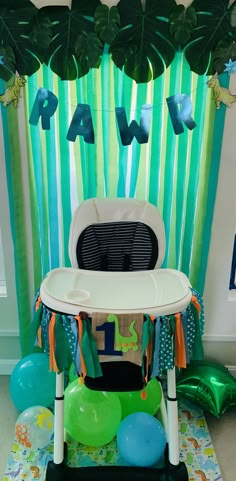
(157, 292)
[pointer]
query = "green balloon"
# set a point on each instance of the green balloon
(208, 384)
(91, 417)
(134, 401)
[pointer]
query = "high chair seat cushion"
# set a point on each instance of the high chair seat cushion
(131, 212)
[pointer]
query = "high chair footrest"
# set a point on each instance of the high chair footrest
(61, 472)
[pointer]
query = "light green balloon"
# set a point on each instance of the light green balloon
(91, 417)
(132, 402)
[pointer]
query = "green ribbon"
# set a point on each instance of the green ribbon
(62, 351)
(197, 348)
(89, 350)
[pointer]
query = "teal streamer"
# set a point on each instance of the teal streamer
(65, 168)
(169, 163)
(105, 119)
(52, 182)
(181, 173)
(38, 176)
(212, 186)
(155, 142)
(193, 178)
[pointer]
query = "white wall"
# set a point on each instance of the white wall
(220, 303)
(9, 331)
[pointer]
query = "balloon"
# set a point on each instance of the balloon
(141, 439)
(134, 401)
(34, 427)
(208, 384)
(91, 417)
(31, 382)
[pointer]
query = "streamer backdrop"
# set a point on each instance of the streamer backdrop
(48, 176)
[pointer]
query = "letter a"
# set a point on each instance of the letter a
(82, 114)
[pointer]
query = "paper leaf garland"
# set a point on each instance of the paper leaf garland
(71, 36)
(145, 47)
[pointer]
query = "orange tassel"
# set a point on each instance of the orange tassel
(180, 356)
(37, 303)
(52, 359)
(80, 331)
(148, 358)
(39, 336)
(196, 304)
(143, 395)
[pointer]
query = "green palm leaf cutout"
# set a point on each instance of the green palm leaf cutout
(15, 37)
(213, 24)
(69, 26)
(182, 23)
(143, 47)
(107, 22)
(225, 51)
(8, 65)
(88, 50)
(40, 30)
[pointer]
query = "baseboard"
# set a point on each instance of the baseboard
(218, 348)
(7, 366)
(218, 338)
(232, 369)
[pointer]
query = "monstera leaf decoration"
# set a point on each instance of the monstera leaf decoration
(225, 51)
(20, 51)
(143, 47)
(142, 40)
(71, 49)
(182, 23)
(213, 25)
(107, 22)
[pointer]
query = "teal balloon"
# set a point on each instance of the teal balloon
(208, 384)
(141, 440)
(34, 427)
(148, 400)
(32, 383)
(91, 417)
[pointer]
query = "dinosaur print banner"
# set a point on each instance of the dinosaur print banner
(118, 337)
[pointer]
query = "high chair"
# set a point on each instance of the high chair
(116, 249)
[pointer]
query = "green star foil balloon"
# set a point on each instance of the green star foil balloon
(209, 385)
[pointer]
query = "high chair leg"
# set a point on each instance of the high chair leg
(163, 414)
(172, 412)
(58, 455)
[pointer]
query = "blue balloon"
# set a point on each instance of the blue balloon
(141, 439)
(31, 382)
